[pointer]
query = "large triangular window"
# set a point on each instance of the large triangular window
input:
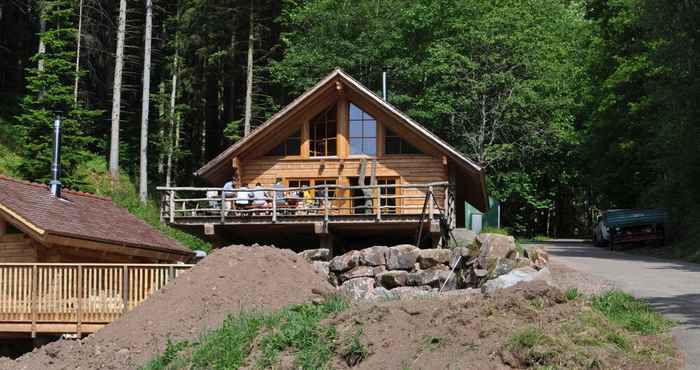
(363, 132)
(394, 144)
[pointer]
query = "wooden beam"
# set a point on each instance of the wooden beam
(343, 128)
(115, 248)
(22, 223)
(305, 140)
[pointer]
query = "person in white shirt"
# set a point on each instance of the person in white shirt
(259, 196)
(243, 196)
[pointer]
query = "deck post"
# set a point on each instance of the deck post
(171, 273)
(125, 288)
(34, 297)
(223, 207)
(274, 208)
(79, 295)
(430, 202)
(171, 202)
(379, 203)
(325, 203)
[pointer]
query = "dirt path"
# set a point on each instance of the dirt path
(671, 287)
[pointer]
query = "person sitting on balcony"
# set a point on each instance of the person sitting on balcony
(243, 197)
(259, 197)
(280, 199)
(229, 186)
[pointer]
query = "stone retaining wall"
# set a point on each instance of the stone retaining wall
(491, 262)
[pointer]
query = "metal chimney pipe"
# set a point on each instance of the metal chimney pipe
(55, 184)
(384, 85)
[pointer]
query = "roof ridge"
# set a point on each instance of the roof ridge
(69, 191)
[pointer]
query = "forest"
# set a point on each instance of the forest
(571, 106)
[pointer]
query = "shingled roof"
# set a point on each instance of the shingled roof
(80, 216)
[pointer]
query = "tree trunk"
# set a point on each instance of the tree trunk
(77, 54)
(249, 75)
(145, 100)
(117, 93)
(174, 125)
(42, 29)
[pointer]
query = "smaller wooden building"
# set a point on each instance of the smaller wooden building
(76, 228)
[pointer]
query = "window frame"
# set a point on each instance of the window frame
(402, 142)
(363, 138)
(285, 145)
(327, 138)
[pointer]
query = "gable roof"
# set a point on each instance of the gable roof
(80, 215)
(470, 169)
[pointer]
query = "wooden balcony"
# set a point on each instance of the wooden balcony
(329, 204)
(75, 298)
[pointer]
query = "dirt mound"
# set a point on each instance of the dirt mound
(469, 332)
(230, 280)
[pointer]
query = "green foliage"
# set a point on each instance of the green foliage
(572, 294)
(49, 95)
(94, 177)
(355, 351)
(297, 328)
(633, 314)
(494, 230)
(9, 159)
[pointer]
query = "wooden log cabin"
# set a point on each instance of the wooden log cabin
(75, 262)
(373, 174)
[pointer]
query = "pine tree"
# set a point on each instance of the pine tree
(50, 94)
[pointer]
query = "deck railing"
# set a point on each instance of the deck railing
(46, 293)
(321, 201)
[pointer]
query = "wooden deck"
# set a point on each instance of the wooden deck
(329, 204)
(75, 298)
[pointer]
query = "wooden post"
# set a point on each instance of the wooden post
(379, 203)
(325, 202)
(79, 295)
(172, 205)
(430, 202)
(171, 273)
(35, 278)
(125, 288)
(223, 207)
(274, 207)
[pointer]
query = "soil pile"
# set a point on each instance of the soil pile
(477, 332)
(232, 279)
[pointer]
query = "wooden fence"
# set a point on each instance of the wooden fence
(38, 295)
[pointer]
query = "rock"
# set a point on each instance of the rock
(402, 257)
(501, 266)
(523, 274)
(359, 288)
(480, 273)
(345, 262)
(374, 256)
(428, 258)
(412, 291)
(322, 254)
(462, 238)
(392, 279)
(321, 267)
(495, 245)
(432, 277)
(538, 256)
(383, 293)
(362, 271)
(521, 262)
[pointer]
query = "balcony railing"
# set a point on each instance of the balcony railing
(67, 297)
(321, 202)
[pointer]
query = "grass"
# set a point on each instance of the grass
(615, 332)
(494, 230)
(572, 294)
(355, 351)
(296, 329)
(633, 314)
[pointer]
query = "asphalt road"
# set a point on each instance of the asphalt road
(671, 287)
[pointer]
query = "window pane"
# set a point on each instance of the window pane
(407, 148)
(355, 112)
(370, 146)
(355, 146)
(390, 133)
(370, 129)
(293, 146)
(393, 145)
(331, 147)
(355, 128)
